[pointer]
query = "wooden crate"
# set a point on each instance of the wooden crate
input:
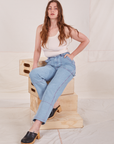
(25, 65)
(67, 102)
(69, 89)
(62, 120)
(67, 118)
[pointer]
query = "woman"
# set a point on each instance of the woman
(53, 37)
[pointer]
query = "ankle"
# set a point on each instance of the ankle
(56, 104)
(35, 127)
(35, 130)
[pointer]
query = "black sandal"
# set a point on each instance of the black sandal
(53, 112)
(30, 138)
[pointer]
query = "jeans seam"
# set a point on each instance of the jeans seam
(46, 102)
(68, 70)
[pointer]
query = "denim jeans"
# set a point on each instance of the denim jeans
(59, 71)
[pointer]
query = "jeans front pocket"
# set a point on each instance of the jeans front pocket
(69, 58)
(72, 61)
(69, 65)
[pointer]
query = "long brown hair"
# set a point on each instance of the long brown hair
(60, 23)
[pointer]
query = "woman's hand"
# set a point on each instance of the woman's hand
(34, 66)
(70, 56)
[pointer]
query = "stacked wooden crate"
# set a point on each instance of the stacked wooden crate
(68, 117)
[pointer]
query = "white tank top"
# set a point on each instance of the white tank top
(53, 46)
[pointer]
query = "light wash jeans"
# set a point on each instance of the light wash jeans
(59, 71)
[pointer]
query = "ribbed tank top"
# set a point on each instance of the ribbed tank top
(53, 46)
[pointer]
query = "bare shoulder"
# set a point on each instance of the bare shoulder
(76, 35)
(66, 30)
(39, 28)
(38, 38)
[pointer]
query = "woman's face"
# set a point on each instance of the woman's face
(52, 9)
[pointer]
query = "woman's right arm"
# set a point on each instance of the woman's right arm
(37, 50)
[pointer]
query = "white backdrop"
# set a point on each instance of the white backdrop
(94, 80)
(94, 65)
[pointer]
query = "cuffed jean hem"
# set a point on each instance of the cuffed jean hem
(39, 120)
(43, 115)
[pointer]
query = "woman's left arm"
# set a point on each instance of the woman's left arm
(76, 35)
(81, 38)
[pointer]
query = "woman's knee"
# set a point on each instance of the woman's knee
(33, 73)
